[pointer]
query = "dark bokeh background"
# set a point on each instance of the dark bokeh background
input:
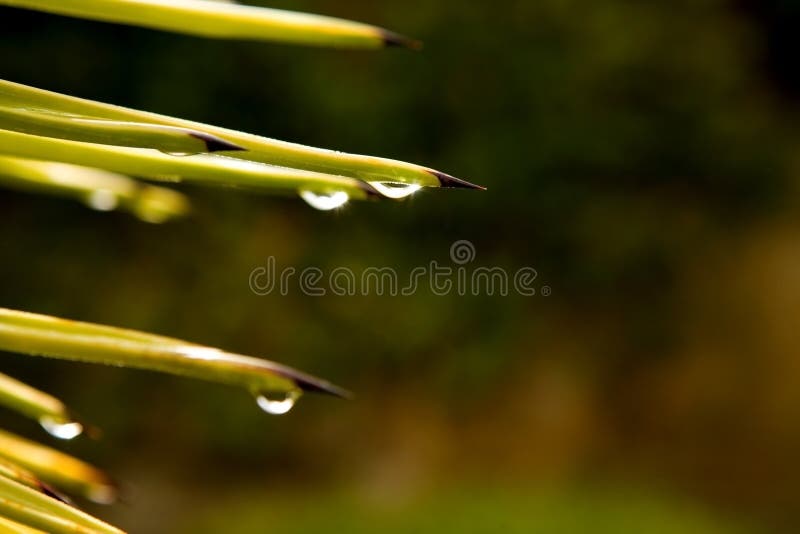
(640, 155)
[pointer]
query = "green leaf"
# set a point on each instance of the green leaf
(19, 474)
(12, 527)
(50, 412)
(225, 20)
(40, 335)
(100, 190)
(28, 507)
(42, 511)
(202, 168)
(61, 470)
(260, 149)
(168, 139)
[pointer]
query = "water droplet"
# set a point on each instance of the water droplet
(61, 428)
(278, 403)
(102, 494)
(395, 190)
(152, 214)
(102, 200)
(178, 154)
(157, 205)
(324, 201)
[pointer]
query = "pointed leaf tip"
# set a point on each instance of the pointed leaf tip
(217, 144)
(445, 180)
(391, 39)
(310, 384)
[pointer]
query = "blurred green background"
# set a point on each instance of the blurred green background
(639, 155)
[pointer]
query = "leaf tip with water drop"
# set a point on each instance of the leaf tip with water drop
(371, 192)
(310, 384)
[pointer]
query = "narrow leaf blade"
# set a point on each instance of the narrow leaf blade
(100, 190)
(225, 20)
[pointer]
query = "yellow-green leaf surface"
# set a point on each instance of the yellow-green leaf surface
(170, 139)
(50, 412)
(99, 189)
(224, 20)
(203, 168)
(260, 149)
(41, 335)
(27, 506)
(21, 475)
(61, 470)
(12, 527)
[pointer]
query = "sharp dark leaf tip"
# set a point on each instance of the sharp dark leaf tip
(445, 180)
(314, 385)
(391, 39)
(216, 144)
(53, 493)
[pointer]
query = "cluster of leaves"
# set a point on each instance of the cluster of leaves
(91, 151)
